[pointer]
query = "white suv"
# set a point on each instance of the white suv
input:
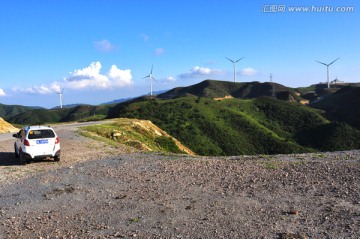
(36, 142)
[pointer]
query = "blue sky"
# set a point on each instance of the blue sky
(100, 50)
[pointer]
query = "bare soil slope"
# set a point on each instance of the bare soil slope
(5, 127)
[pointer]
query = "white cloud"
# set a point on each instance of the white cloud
(120, 77)
(90, 77)
(197, 72)
(87, 77)
(159, 51)
(248, 71)
(170, 78)
(38, 90)
(55, 87)
(2, 92)
(104, 46)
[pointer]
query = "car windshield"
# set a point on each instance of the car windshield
(39, 134)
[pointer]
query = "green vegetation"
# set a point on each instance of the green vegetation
(331, 137)
(12, 110)
(342, 106)
(228, 127)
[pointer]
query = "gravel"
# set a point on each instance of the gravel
(98, 191)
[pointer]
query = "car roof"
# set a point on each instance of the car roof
(35, 127)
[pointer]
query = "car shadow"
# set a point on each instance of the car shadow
(8, 159)
(42, 160)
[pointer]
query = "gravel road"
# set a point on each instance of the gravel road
(98, 191)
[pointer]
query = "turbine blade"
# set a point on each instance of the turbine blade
(322, 63)
(334, 60)
(230, 60)
(146, 77)
(154, 79)
(152, 66)
(239, 59)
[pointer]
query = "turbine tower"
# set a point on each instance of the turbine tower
(150, 76)
(327, 69)
(60, 96)
(234, 63)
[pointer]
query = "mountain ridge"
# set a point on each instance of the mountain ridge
(227, 118)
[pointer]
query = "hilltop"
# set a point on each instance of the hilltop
(224, 89)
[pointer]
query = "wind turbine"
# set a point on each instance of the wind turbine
(327, 69)
(60, 96)
(150, 76)
(234, 63)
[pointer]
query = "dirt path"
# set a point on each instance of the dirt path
(74, 149)
(100, 192)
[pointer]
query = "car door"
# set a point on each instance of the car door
(20, 139)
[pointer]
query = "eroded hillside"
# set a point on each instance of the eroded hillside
(140, 134)
(5, 127)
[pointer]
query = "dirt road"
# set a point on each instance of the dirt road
(98, 191)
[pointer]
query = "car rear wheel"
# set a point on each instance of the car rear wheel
(57, 159)
(16, 151)
(22, 158)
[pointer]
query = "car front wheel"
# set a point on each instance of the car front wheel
(57, 159)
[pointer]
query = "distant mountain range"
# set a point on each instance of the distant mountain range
(128, 99)
(227, 118)
(69, 106)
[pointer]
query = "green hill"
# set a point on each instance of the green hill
(233, 126)
(342, 106)
(12, 110)
(33, 117)
(42, 116)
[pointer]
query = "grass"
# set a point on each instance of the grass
(141, 135)
(134, 220)
(93, 118)
(271, 164)
(89, 134)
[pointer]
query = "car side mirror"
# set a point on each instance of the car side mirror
(15, 135)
